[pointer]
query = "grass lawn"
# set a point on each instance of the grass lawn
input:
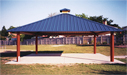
(122, 59)
(71, 49)
(74, 69)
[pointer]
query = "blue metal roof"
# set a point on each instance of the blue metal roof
(65, 23)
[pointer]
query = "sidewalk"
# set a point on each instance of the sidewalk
(65, 58)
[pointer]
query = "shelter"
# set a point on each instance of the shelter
(65, 24)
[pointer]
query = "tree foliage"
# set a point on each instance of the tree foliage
(99, 19)
(22, 37)
(96, 18)
(52, 14)
(82, 15)
(3, 33)
(28, 36)
(11, 27)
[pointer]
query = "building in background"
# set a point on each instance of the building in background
(125, 35)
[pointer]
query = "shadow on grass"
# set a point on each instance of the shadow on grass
(112, 72)
(107, 72)
(24, 53)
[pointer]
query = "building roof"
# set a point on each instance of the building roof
(65, 23)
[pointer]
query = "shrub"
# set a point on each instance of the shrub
(98, 43)
(104, 43)
(84, 42)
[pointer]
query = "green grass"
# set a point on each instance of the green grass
(122, 59)
(75, 69)
(62, 69)
(71, 49)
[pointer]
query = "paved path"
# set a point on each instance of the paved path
(65, 58)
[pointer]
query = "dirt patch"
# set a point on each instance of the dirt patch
(57, 45)
(60, 65)
(7, 59)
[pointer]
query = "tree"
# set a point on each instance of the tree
(109, 21)
(119, 38)
(3, 33)
(116, 25)
(28, 36)
(22, 37)
(52, 14)
(99, 19)
(10, 35)
(82, 15)
(2, 38)
(11, 27)
(96, 18)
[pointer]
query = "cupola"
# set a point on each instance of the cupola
(65, 10)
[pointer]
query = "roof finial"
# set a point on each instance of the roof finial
(65, 10)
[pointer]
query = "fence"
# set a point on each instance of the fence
(64, 40)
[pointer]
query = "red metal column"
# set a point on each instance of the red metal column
(94, 44)
(36, 44)
(18, 46)
(112, 47)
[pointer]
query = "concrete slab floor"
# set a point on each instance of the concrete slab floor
(65, 58)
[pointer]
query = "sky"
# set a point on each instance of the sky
(21, 12)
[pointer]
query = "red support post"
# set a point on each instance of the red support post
(18, 46)
(112, 47)
(94, 44)
(36, 44)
